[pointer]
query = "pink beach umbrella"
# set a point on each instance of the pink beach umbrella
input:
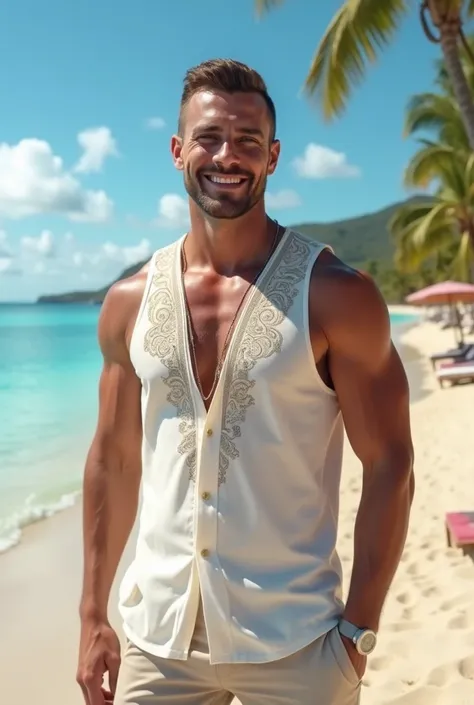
(445, 293)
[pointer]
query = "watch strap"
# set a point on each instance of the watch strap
(349, 630)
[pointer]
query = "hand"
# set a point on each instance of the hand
(99, 653)
(358, 661)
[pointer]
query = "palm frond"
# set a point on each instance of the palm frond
(431, 230)
(463, 260)
(408, 257)
(421, 240)
(451, 168)
(354, 37)
(453, 184)
(428, 164)
(469, 175)
(429, 111)
(409, 213)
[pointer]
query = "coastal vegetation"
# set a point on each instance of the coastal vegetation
(433, 237)
(442, 227)
(361, 29)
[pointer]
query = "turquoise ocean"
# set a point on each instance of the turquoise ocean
(49, 370)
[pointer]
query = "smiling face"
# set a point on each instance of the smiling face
(226, 151)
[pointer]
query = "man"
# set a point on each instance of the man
(230, 365)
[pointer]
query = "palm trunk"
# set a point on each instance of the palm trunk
(450, 47)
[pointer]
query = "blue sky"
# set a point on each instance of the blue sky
(90, 93)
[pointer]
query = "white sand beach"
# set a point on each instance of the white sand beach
(426, 649)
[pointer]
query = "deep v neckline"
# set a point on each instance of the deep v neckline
(254, 291)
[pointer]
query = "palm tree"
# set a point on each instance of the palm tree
(361, 28)
(439, 112)
(441, 224)
(444, 161)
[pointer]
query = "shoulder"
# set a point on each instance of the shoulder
(119, 311)
(346, 303)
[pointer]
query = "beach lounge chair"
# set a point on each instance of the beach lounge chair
(455, 373)
(456, 354)
(460, 530)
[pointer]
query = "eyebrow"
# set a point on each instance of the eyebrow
(216, 128)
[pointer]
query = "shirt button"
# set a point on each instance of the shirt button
(206, 496)
(209, 432)
(205, 552)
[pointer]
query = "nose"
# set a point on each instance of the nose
(225, 157)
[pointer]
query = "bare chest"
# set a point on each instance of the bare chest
(214, 307)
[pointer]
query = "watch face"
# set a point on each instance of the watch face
(367, 642)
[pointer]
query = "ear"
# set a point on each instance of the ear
(274, 156)
(176, 151)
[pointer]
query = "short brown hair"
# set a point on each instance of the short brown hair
(225, 75)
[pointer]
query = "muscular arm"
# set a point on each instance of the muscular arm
(113, 467)
(372, 389)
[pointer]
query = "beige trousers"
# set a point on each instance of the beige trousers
(319, 674)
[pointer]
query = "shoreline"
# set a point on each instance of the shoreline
(30, 515)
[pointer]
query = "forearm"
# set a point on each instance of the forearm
(110, 501)
(379, 538)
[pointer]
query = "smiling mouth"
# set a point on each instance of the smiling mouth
(226, 181)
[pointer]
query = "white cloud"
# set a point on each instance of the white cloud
(138, 252)
(8, 267)
(286, 198)
(111, 250)
(99, 208)
(5, 249)
(91, 259)
(155, 123)
(33, 180)
(39, 268)
(130, 254)
(173, 211)
(78, 259)
(95, 259)
(320, 162)
(42, 245)
(98, 144)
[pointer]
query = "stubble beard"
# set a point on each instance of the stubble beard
(226, 207)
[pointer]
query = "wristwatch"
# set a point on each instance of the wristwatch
(364, 640)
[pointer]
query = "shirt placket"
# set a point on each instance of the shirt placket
(211, 581)
(207, 484)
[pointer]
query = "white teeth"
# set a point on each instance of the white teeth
(228, 180)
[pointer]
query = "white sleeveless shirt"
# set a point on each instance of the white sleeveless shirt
(240, 503)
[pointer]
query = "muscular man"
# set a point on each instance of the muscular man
(231, 365)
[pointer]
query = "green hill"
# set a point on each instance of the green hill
(358, 241)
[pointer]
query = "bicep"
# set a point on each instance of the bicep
(374, 400)
(119, 402)
(369, 378)
(119, 426)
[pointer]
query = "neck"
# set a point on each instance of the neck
(229, 245)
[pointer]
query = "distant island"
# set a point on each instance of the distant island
(363, 242)
(89, 297)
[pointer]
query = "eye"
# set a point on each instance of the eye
(207, 138)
